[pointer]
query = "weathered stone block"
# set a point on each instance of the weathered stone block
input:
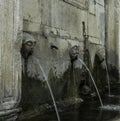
(32, 10)
(10, 58)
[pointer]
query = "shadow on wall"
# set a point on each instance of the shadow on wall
(113, 64)
(99, 72)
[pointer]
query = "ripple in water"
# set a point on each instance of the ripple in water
(111, 107)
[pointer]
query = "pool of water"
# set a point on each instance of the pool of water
(89, 110)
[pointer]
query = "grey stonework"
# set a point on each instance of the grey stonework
(10, 57)
(57, 26)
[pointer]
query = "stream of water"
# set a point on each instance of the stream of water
(87, 111)
(52, 96)
(108, 79)
(93, 82)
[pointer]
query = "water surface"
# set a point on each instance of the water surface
(89, 110)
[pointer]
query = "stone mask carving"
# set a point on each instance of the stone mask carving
(31, 64)
(74, 52)
(28, 45)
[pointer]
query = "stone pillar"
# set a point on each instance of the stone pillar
(10, 57)
(113, 36)
(118, 33)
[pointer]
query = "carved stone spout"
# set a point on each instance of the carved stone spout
(28, 45)
(73, 53)
(30, 63)
(101, 55)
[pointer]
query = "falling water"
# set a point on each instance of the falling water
(108, 79)
(92, 81)
(58, 117)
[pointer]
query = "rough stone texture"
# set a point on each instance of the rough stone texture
(111, 43)
(113, 40)
(59, 23)
(10, 58)
(64, 18)
(55, 23)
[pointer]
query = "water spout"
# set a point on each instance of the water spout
(27, 50)
(92, 81)
(51, 93)
(108, 79)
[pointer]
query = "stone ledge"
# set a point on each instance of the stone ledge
(8, 112)
(77, 4)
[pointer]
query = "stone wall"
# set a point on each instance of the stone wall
(63, 18)
(56, 25)
(112, 36)
(59, 23)
(10, 57)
